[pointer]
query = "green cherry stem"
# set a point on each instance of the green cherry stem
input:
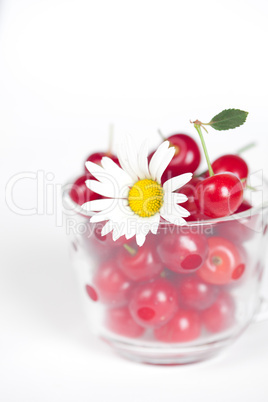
(161, 135)
(131, 250)
(198, 129)
(248, 186)
(246, 148)
(111, 139)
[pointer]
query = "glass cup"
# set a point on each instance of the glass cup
(187, 293)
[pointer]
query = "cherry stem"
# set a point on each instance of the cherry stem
(198, 129)
(111, 139)
(247, 185)
(161, 135)
(251, 188)
(246, 148)
(131, 250)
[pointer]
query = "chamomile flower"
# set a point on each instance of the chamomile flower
(136, 198)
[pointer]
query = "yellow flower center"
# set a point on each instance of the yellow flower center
(146, 197)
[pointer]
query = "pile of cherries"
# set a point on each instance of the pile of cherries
(177, 286)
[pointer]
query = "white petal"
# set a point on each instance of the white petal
(176, 220)
(145, 225)
(122, 177)
(117, 213)
(107, 228)
(132, 155)
(111, 177)
(164, 163)
(109, 189)
(157, 158)
(143, 160)
(173, 209)
(117, 232)
(182, 211)
(100, 217)
(131, 231)
(99, 205)
(140, 239)
(94, 169)
(177, 198)
(155, 223)
(124, 162)
(177, 182)
(101, 188)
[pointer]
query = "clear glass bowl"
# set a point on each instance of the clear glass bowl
(187, 293)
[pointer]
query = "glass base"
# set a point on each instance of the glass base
(173, 355)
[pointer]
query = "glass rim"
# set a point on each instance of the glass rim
(241, 215)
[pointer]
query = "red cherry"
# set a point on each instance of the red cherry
(187, 156)
(219, 195)
(183, 253)
(195, 293)
(189, 190)
(97, 157)
(224, 263)
(191, 204)
(144, 264)
(112, 286)
(230, 163)
(153, 303)
(119, 321)
(80, 193)
(185, 326)
(220, 316)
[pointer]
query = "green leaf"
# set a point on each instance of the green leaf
(227, 119)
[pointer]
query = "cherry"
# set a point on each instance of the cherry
(97, 157)
(80, 193)
(220, 316)
(191, 204)
(189, 190)
(112, 286)
(120, 321)
(219, 195)
(183, 253)
(185, 326)
(230, 163)
(195, 293)
(186, 159)
(153, 303)
(224, 263)
(187, 156)
(139, 263)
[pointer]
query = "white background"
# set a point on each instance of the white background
(67, 70)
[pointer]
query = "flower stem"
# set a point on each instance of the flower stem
(246, 148)
(131, 250)
(198, 129)
(111, 139)
(161, 135)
